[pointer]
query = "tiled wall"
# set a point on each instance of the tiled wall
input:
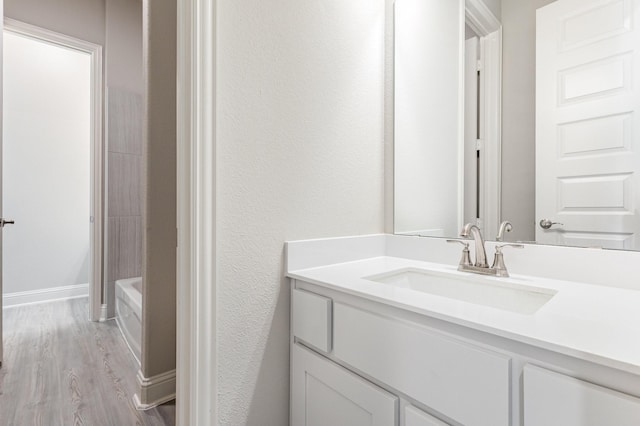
(124, 189)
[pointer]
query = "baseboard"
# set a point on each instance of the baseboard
(155, 390)
(31, 297)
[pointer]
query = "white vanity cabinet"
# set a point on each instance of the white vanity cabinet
(356, 361)
(338, 351)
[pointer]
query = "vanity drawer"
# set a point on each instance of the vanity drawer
(312, 319)
(552, 399)
(468, 384)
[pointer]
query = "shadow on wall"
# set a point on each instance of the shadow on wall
(262, 381)
(272, 387)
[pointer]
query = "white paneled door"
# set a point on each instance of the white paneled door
(588, 123)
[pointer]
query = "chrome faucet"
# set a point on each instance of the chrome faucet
(481, 266)
(481, 253)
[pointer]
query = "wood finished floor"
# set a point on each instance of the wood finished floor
(61, 369)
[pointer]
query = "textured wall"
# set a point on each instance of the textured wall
(300, 155)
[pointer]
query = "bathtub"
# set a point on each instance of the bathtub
(129, 312)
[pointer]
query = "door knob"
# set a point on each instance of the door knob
(4, 222)
(546, 223)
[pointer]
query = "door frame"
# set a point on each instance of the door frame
(196, 328)
(489, 29)
(97, 311)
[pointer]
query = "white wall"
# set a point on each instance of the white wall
(518, 115)
(300, 155)
(427, 114)
(46, 171)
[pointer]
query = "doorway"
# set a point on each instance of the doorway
(52, 167)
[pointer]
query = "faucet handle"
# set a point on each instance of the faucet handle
(505, 226)
(464, 243)
(465, 260)
(498, 259)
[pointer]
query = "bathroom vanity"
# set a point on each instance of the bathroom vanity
(386, 331)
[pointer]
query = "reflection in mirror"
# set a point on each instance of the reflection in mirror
(534, 120)
(427, 119)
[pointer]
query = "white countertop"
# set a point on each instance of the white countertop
(591, 322)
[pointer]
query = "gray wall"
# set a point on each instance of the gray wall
(518, 115)
(124, 45)
(495, 6)
(159, 178)
(83, 19)
(300, 155)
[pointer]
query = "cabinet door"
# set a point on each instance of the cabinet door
(325, 394)
(416, 417)
(552, 399)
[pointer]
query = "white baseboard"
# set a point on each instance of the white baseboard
(31, 297)
(155, 390)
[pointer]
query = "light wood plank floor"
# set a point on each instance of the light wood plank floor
(61, 369)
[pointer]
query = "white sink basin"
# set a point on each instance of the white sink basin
(497, 293)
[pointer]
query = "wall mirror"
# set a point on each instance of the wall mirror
(529, 116)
